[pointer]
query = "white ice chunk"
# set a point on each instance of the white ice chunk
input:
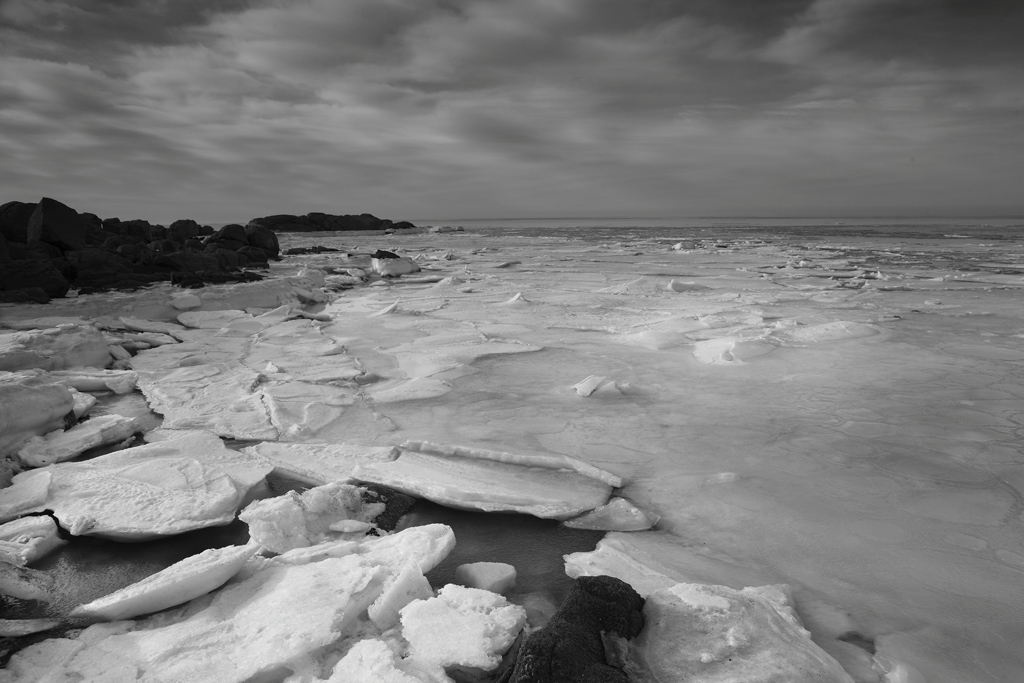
(496, 577)
(407, 585)
(56, 348)
(705, 634)
(30, 406)
(488, 485)
(478, 628)
(680, 286)
(92, 379)
(617, 515)
(59, 446)
(299, 520)
(320, 463)
(589, 385)
(25, 540)
(393, 267)
(158, 489)
(185, 302)
(372, 661)
(182, 581)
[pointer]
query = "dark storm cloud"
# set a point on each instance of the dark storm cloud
(449, 107)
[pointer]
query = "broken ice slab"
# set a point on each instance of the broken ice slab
(25, 540)
(219, 397)
(274, 619)
(271, 624)
(31, 491)
(296, 520)
(703, 633)
(25, 584)
(30, 406)
(526, 459)
(159, 327)
(183, 581)
(319, 463)
(394, 267)
(93, 379)
(159, 489)
(617, 515)
(56, 348)
(475, 483)
(298, 410)
(462, 627)
(407, 585)
(825, 332)
(59, 446)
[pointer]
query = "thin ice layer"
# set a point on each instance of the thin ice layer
(59, 446)
(30, 406)
(25, 540)
(488, 485)
(55, 348)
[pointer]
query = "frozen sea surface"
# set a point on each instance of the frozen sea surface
(839, 407)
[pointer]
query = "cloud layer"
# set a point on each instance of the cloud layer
(224, 110)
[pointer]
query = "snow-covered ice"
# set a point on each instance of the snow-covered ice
(25, 540)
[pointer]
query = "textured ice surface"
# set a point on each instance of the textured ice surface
(277, 617)
(296, 520)
(488, 485)
(30, 406)
(90, 379)
(478, 628)
(704, 634)
(879, 475)
(158, 489)
(55, 348)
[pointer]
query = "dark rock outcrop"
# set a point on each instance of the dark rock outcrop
(34, 273)
(58, 224)
(318, 222)
(263, 238)
(570, 649)
(14, 217)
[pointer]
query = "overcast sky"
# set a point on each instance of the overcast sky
(223, 110)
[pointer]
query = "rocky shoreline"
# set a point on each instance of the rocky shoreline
(47, 249)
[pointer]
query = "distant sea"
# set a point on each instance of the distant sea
(710, 228)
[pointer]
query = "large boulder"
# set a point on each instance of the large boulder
(183, 229)
(57, 224)
(570, 648)
(98, 267)
(263, 238)
(230, 237)
(5, 255)
(26, 274)
(14, 217)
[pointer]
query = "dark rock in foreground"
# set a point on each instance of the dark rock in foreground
(570, 648)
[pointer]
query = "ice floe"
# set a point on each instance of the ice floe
(183, 581)
(59, 446)
(24, 583)
(158, 489)
(55, 348)
(490, 485)
(25, 540)
(319, 463)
